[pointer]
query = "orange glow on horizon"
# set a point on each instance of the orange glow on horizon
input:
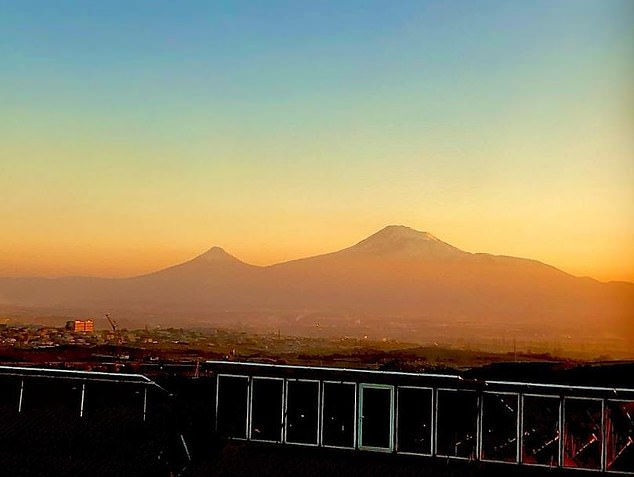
(117, 261)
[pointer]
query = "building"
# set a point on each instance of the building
(81, 326)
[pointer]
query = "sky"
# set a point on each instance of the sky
(138, 134)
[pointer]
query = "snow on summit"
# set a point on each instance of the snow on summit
(402, 241)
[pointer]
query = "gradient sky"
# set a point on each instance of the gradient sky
(134, 135)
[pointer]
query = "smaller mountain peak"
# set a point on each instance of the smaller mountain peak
(216, 258)
(217, 254)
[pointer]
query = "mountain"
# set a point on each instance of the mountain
(214, 259)
(400, 271)
(398, 275)
(404, 242)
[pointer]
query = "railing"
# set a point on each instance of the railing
(573, 427)
(104, 423)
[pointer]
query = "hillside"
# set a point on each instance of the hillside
(398, 275)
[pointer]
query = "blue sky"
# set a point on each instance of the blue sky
(286, 128)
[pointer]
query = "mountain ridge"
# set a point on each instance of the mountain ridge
(383, 242)
(398, 272)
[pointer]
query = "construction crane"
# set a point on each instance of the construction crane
(113, 323)
(116, 337)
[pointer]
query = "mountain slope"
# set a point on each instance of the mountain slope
(398, 272)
